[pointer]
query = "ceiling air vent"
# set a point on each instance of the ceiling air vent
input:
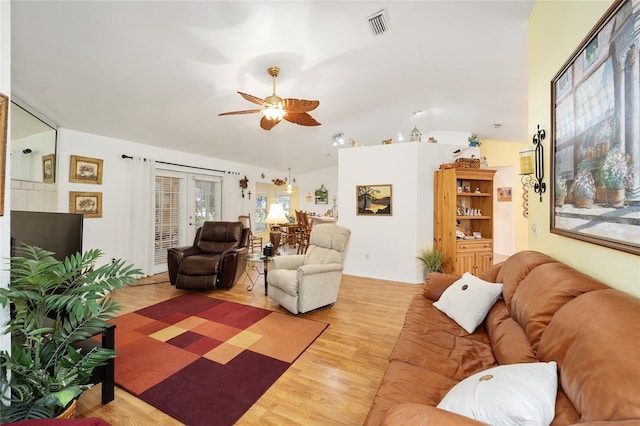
(378, 22)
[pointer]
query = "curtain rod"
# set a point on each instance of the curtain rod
(125, 156)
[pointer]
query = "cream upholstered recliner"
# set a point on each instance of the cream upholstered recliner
(303, 282)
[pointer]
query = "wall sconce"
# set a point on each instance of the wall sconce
(532, 163)
(338, 139)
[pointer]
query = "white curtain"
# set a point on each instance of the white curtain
(142, 214)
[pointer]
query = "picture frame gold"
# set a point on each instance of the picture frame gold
(85, 170)
(4, 112)
(504, 194)
(48, 168)
(374, 200)
(87, 203)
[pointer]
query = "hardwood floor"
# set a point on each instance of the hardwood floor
(333, 382)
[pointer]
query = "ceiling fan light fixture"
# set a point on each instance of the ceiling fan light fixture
(273, 112)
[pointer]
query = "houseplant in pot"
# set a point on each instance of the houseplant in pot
(584, 189)
(613, 171)
(431, 260)
(54, 304)
(560, 190)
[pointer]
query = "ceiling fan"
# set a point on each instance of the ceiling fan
(274, 108)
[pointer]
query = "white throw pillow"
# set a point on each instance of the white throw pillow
(515, 394)
(468, 300)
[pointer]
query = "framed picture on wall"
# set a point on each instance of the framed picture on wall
(48, 168)
(87, 203)
(85, 170)
(595, 140)
(373, 200)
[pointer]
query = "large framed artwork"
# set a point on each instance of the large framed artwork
(373, 200)
(4, 112)
(595, 119)
(85, 170)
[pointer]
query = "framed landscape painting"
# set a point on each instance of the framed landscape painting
(373, 200)
(87, 203)
(595, 131)
(85, 170)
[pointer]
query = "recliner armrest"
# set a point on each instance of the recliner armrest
(175, 255)
(291, 262)
(319, 268)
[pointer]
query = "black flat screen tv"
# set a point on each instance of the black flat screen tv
(60, 233)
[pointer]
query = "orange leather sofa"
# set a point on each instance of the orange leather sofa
(548, 312)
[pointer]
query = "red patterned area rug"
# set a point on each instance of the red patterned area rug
(205, 361)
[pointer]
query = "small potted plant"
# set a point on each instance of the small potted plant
(54, 304)
(584, 189)
(431, 259)
(560, 190)
(614, 170)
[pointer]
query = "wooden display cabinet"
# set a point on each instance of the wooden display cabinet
(464, 196)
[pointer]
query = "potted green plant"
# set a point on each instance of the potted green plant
(614, 170)
(431, 259)
(584, 189)
(54, 304)
(560, 190)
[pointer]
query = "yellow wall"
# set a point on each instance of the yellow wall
(556, 28)
(501, 154)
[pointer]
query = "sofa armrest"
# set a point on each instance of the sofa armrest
(291, 262)
(436, 283)
(230, 266)
(410, 413)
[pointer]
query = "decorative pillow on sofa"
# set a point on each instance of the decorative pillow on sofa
(468, 300)
(514, 394)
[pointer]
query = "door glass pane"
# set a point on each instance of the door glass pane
(285, 201)
(261, 212)
(205, 205)
(169, 231)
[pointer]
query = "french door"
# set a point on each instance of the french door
(184, 201)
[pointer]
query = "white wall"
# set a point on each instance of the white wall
(110, 233)
(5, 88)
(504, 212)
(309, 182)
(385, 247)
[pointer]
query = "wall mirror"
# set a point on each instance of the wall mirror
(33, 145)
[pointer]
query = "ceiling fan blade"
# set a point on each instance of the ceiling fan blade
(301, 118)
(251, 98)
(299, 105)
(268, 124)
(246, 111)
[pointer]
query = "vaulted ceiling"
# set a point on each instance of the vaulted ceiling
(160, 72)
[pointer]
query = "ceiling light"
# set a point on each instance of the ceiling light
(418, 112)
(338, 139)
(496, 125)
(400, 137)
(289, 186)
(273, 112)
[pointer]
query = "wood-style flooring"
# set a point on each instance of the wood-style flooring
(332, 383)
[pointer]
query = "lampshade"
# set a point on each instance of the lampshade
(526, 161)
(276, 214)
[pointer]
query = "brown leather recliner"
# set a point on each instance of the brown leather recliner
(216, 259)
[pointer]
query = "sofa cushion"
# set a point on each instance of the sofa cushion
(545, 290)
(403, 382)
(516, 268)
(516, 394)
(594, 339)
(468, 300)
(508, 340)
(199, 264)
(431, 340)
